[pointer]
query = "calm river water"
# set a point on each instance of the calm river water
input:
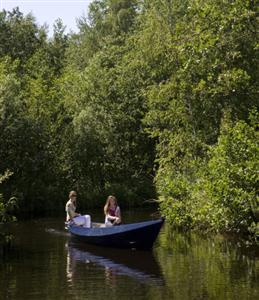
(45, 264)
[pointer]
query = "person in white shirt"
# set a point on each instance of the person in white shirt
(72, 215)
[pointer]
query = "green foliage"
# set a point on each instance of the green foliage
(232, 182)
(108, 22)
(30, 117)
(138, 94)
(206, 69)
(107, 113)
(6, 207)
(225, 194)
(19, 35)
(74, 120)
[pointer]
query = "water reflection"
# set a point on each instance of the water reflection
(140, 265)
(210, 267)
(44, 264)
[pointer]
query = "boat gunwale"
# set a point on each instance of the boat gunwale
(112, 230)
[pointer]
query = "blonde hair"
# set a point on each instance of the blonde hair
(71, 193)
(108, 203)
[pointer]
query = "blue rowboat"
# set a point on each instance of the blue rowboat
(136, 235)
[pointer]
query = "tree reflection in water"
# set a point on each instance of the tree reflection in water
(207, 266)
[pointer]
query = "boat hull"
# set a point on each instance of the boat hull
(137, 235)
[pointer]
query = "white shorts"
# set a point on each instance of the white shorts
(84, 221)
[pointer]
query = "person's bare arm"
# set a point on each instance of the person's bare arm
(71, 212)
(118, 215)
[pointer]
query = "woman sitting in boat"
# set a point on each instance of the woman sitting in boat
(73, 216)
(112, 212)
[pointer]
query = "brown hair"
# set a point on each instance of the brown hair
(71, 193)
(108, 203)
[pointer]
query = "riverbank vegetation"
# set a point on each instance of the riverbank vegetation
(7, 209)
(150, 99)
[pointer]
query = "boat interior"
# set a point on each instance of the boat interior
(98, 225)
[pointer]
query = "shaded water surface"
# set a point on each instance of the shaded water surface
(45, 264)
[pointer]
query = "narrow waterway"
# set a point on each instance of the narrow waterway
(45, 264)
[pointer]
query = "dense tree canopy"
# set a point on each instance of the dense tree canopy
(150, 99)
